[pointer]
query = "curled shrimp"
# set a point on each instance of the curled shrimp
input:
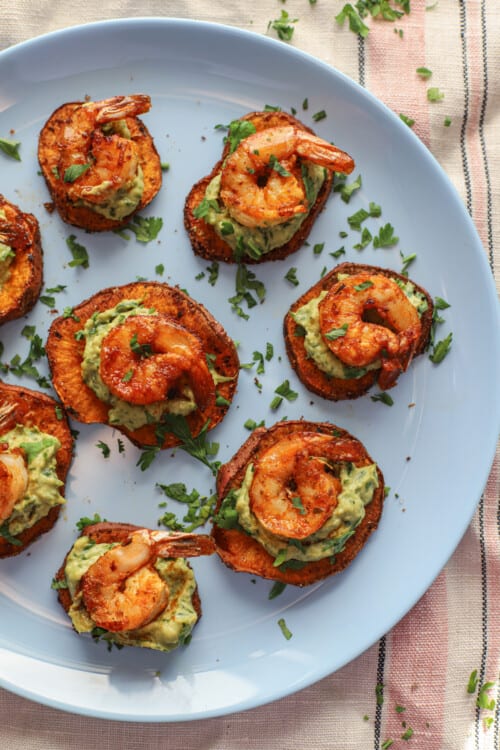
(293, 490)
(261, 181)
(109, 161)
(148, 357)
(13, 479)
(366, 317)
(122, 590)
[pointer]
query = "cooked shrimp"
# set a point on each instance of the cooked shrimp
(261, 181)
(13, 479)
(366, 317)
(148, 357)
(111, 160)
(293, 491)
(122, 590)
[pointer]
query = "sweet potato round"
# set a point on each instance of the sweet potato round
(65, 353)
(20, 231)
(314, 379)
(22, 406)
(49, 151)
(242, 553)
(205, 240)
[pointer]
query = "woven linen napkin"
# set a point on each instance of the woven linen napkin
(410, 688)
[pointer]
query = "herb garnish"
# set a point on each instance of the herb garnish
(5, 533)
(141, 350)
(79, 253)
(407, 120)
(11, 148)
(276, 590)
(424, 73)
(27, 367)
(86, 521)
(246, 282)
(145, 228)
(75, 171)
(104, 447)
(284, 629)
(291, 276)
(283, 26)
(199, 507)
(337, 333)
(197, 446)
(283, 391)
(434, 94)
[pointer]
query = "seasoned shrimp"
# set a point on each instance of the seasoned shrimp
(148, 357)
(13, 479)
(293, 491)
(261, 181)
(109, 162)
(366, 317)
(123, 591)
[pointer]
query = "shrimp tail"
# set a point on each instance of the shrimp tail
(122, 106)
(182, 544)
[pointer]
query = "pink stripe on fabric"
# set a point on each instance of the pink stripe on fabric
(475, 75)
(391, 67)
(415, 675)
(491, 510)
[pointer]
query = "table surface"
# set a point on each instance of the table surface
(425, 661)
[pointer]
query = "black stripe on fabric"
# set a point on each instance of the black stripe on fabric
(465, 119)
(482, 115)
(484, 619)
(377, 726)
(361, 61)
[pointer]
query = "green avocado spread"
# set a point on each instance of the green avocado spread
(307, 317)
(131, 416)
(257, 241)
(358, 485)
(172, 626)
(42, 493)
(7, 255)
(116, 203)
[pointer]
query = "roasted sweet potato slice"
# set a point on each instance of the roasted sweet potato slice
(312, 377)
(50, 148)
(21, 406)
(22, 270)
(106, 532)
(205, 240)
(243, 553)
(65, 353)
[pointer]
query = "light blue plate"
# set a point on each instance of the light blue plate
(435, 444)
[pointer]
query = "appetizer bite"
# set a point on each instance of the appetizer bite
(358, 325)
(36, 448)
(132, 356)
(21, 261)
(132, 586)
(297, 502)
(99, 161)
(262, 198)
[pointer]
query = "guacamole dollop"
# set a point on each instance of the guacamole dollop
(358, 485)
(42, 493)
(172, 626)
(116, 203)
(131, 416)
(257, 241)
(307, 317)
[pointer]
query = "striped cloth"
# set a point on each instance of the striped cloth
(410, 688)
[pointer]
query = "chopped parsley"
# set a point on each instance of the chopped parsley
(78, 252)
(251, 424)
(5, 533)
(27, 366)
(197, 446)
(58, 585)
(237, 131)
(248, 289)
(441, 349)
(276, 590)
(284, 629)
(473, 682)
(424, 73)
(275, 164)
(141, 350)
(318, 116)
(104, 448)
(86, 521)
(337, 333)
(159, 269)
(347, 190)
(291, 276)
(11, 148)
(145, 228)
(199, 507)
(434, 94)
(407, 120)
(75, 171)
(385, 237)
(483, 700)
(283, 26)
